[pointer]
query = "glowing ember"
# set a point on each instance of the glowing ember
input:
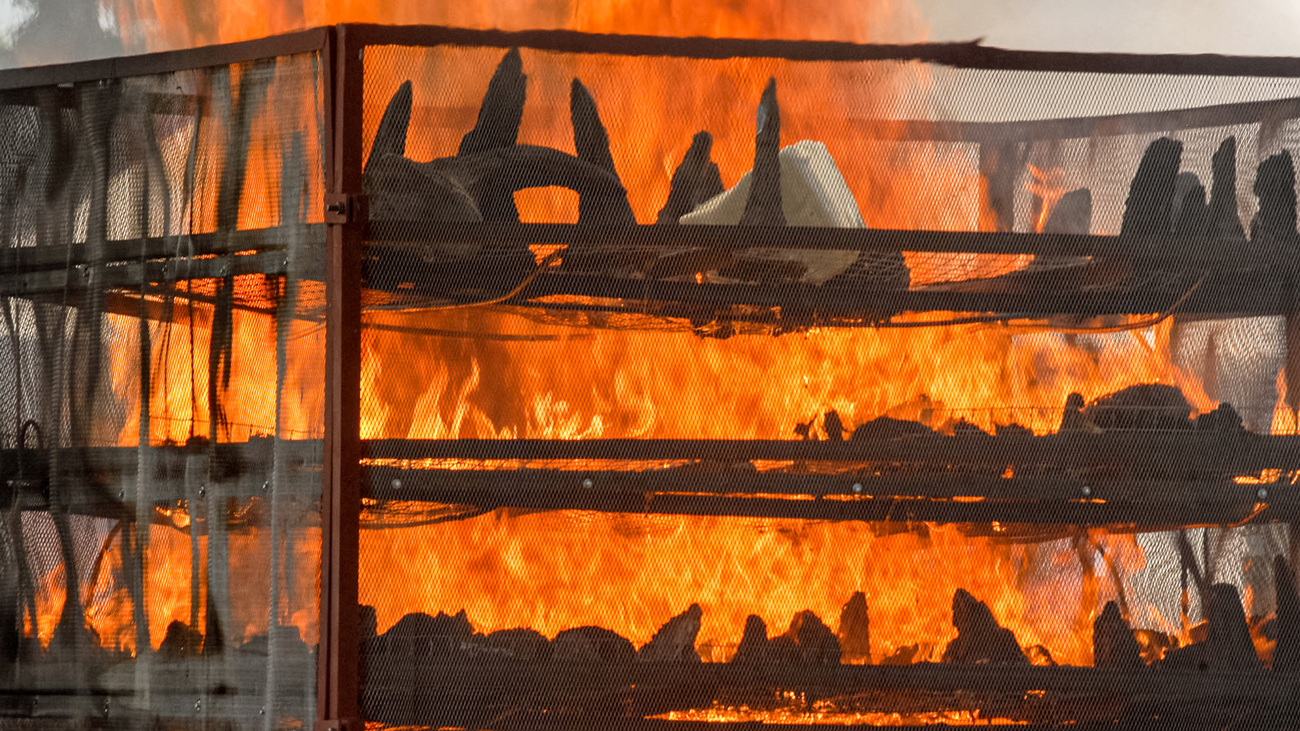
(742, 715)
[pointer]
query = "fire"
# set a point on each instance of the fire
(168, 588)
(1047, 186)
(553, 571)
(650, 384)
(156, 25)
(819, 716)
(629, 573)
(634, 384)
(179, 393)
(914, 186)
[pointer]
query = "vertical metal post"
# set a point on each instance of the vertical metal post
(337, 662)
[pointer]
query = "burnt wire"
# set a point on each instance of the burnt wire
(542, 266)
(383, 517)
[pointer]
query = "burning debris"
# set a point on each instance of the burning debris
(607, 662)
(980, 640)
(1149, 208)
(1222, 642)
(855, 631)
(592, 645)
(1151, 407)
(753, 648)
(622, 281)
(675, 641)
(807, 642)
(1113, 642)
(1226, 644)
(1148, 407)
(479, 183)
(695, 181)
(799, 185)
(520, 644)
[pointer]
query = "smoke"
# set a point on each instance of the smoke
(14, 15)
(55, 31)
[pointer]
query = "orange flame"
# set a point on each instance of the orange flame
(552, 571)
(1048, 185)
(630, 573)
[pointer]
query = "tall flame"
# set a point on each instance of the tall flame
(155, 25)
(553, 571)
(639, 384)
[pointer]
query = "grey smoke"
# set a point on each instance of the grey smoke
(34, 32)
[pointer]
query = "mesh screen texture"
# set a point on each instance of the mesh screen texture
(1001, 450)
(881, 145)
(161, 403)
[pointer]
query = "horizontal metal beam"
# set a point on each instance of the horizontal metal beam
(104, 479)
(941, 479)
(1246, 296)
(1133, 123)
(1175, 452)
(288, 44)
(413, 688)
(1148, 250)
(1144, 505)
(25, 259)
(128, 275)
(961, 55)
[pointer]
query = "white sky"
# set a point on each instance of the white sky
(1245, 27)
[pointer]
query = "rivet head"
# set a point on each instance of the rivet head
(198, 704)
(266, 484)
(397, 484)
(588, 483)
(1087, 491)
(202, 491)
(857, 488)
(1263, 493)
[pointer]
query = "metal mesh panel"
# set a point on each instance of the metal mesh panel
(161, 405)
(1001, 367)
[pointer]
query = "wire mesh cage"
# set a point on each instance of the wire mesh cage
(656, 357)
(162, 400)
(666, 342)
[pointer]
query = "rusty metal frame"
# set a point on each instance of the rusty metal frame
(971, 55)
(341, 48)
(288, 44)
(337, 693)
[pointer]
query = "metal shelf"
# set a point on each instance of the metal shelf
(1141, 481)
